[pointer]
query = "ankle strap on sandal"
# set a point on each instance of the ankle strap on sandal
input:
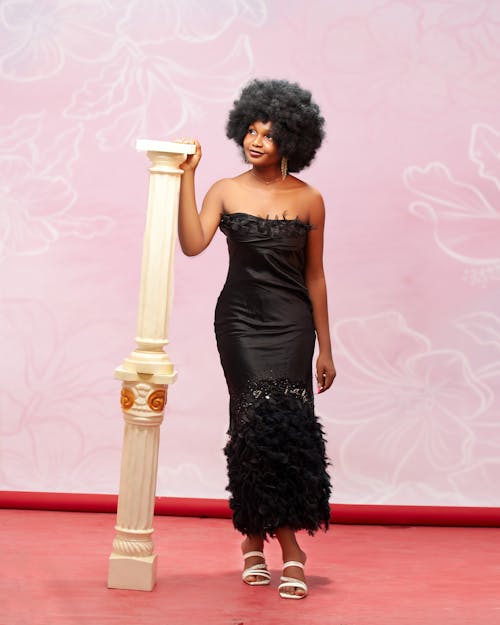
(293, 563)
(251, 554)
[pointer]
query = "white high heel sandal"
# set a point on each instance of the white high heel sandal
(257, 570)
(288, 582)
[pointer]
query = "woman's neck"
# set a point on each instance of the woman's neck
(268, 175)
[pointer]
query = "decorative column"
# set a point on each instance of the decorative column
(146, 373)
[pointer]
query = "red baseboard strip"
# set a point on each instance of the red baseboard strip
(63, 502)
(219, 508)
(450, 516)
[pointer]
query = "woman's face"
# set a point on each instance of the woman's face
(258, 145)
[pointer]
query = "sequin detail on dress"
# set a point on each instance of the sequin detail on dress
(276, 460)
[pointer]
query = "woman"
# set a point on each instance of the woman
(271, 307)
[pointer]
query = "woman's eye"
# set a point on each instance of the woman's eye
(269, 138)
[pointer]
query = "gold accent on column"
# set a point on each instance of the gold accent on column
(156, 401)
(127, 398)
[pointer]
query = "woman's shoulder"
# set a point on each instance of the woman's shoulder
(307, 191)
(308, 200)
(220, 187)
(225, 184)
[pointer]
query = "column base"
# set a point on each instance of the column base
(130, 573)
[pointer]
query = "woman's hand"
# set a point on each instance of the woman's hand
(325, 372)
(192, 160)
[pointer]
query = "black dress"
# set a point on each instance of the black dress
(265, 336)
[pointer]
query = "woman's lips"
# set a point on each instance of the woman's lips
(254, 153)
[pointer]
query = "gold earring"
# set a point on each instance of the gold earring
(284, 167)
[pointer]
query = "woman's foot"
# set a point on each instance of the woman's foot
(294, 572)
(248, 546)
(292, 553)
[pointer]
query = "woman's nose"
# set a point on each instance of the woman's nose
(257, 140)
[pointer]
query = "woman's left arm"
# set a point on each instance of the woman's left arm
(316, 285)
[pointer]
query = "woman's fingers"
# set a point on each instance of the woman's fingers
(187, 140)
(192, 160)
(325, 377)
(191, 142)
(328, 380)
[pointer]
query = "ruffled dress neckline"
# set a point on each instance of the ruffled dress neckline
(247, 221)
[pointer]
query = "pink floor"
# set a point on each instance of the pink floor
(54, 570)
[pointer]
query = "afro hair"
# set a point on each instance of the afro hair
(296, 119)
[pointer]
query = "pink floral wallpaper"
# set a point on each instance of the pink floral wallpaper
(410, 173)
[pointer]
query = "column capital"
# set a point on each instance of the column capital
(166, 156)
(170, 147)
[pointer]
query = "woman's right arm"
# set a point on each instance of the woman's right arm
(196, 230)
